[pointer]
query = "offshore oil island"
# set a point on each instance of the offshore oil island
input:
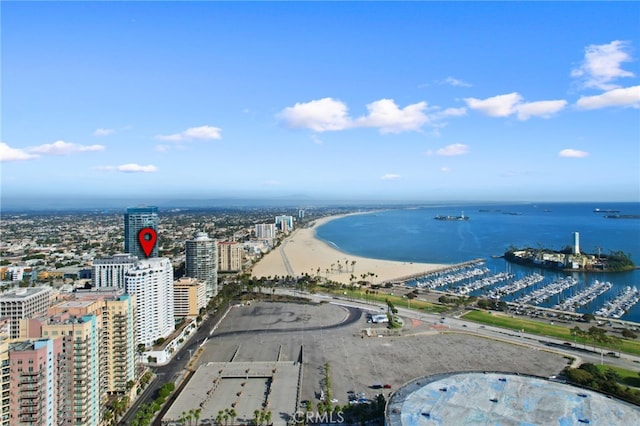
(570, 259)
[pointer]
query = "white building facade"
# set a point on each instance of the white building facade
(151, 282)
(109, 271)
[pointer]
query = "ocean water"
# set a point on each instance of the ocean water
(413, 235)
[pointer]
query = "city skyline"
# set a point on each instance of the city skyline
(418, 101)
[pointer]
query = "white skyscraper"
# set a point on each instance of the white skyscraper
(151, 282)
(109, 271)
(202, 262)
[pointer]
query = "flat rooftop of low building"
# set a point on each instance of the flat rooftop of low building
(504, 399)
(23, 292)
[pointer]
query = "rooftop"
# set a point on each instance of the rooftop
(505, 399)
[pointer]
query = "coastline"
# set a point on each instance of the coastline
(303, 252)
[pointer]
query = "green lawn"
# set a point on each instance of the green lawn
(398, 301)
(628, 377)
(536, 327)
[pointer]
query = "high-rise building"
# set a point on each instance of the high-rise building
(36, 387)
(230, 256)
(23, 303)
(151, 282)
(284, 223)
(189, 296)
(266, 231)
(109, 271)
(136, 219)
(5, 380)
(202, 262)
(80, 373)
(576, 243)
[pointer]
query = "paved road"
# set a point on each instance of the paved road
(171, 371)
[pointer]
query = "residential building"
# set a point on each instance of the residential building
(202, 262)
(265, 231)
(109, 271)
(22, 303)
(5, 380)
(151, 282)
(116, 311)
(189, 296)
(80, 372)
(284, 223)
(36, 391)
(136, 219)
(230, 256)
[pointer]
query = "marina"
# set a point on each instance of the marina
(621, 304)
(540, 295)
(515, 286)
(482, 283)
(584, 297)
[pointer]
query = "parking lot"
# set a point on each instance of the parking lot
(270, 331)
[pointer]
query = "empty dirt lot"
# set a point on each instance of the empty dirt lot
(266, 331)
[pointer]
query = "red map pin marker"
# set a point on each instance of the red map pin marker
(147, 238)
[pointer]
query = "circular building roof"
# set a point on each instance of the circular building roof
(502, 399)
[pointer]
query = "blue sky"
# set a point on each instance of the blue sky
(420, 101)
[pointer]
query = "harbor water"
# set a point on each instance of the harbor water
(412, 235)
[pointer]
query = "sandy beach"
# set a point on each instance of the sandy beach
(301, 252)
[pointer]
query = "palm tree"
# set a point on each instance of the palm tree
(233, 415)
(353, 265)
(256, 417)
(196, 415)
(219, 417)
(267, 417)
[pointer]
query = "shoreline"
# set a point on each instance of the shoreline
(302, 252)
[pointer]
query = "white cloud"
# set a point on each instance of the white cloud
(320, 115)
(496, 106)
(454, 149)
(331, 115)
(456, 82)
(572, 153)
(103, 132)
(389, 118)
(316, 140)
(64, 148)
(626, 97)
(8, 154)
(162, 148)
(512, 103)
(601, 65)
(543, 109)
(390, 176)
(198, 133)
(445, 169)
(129, 168)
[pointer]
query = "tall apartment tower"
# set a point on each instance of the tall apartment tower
(284, 223)
(576, 243)
(118, 342)
(80, 373)
(266, 231)
(151, 282)
(202, 262)
(5, 380)
(23, 303)
(109, 271)
(136, 219)
(230, 256)
(36, 386)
